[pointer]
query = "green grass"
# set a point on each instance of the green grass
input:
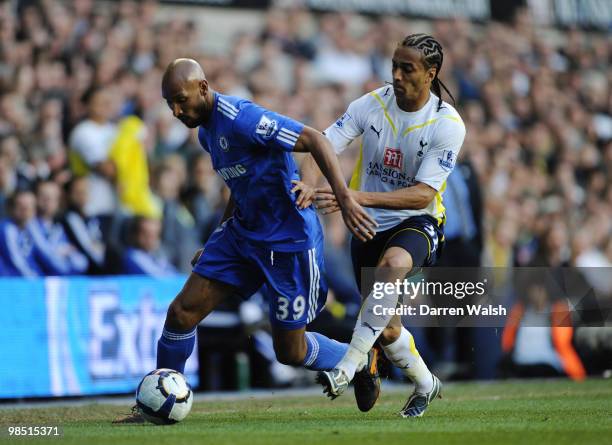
(539, 412)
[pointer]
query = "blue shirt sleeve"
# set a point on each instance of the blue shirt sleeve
(266, 128)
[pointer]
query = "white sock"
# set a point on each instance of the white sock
(367, 330)
(403, 354)
(354, 360)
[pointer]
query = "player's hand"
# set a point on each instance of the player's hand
(359, 222)
(306, 194)
(197, 256)
(325, 201)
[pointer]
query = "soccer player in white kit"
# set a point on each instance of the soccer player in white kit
(410, 141)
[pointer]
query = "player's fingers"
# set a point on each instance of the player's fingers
(355, 225)
(364, 220)
(297, 185)
(326, 204)
(330, 210)
(321, 202)
(369, 218)
(300, 197)
(362, 227)
(324, 190)
(369, 232)
(304, 200)
(367, 221)
(358, 234)
(308, 198)
(324, 196)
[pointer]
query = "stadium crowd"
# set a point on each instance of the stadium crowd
(97, 177)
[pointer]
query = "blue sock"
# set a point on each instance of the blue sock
(174, 348)
(323, 353)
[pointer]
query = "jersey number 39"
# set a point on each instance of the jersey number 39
(297, 308)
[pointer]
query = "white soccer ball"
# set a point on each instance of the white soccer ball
(164, 396)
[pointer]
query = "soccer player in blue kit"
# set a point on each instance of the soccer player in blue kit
(265, 237)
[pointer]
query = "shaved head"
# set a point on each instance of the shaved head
(186, 90)
(183, 70)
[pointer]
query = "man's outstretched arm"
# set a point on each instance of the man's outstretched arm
(359, 222)
(415, 197)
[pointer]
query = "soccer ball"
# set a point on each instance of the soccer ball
(164, 396)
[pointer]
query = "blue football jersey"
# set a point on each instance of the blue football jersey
(250, 148)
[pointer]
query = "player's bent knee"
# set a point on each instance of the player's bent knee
(397, 260)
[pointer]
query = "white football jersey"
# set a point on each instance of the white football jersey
(400, 148)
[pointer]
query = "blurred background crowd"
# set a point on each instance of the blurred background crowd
(97, 177)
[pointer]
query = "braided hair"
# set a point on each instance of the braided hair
(433, 56)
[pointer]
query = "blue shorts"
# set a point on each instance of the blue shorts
(295, 283)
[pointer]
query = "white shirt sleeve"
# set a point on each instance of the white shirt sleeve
(440, 159)
(349, 126)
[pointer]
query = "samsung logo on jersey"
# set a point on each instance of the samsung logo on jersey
(232, 172)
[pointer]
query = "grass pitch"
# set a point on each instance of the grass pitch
(537, 412)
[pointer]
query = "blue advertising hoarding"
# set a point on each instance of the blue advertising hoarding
(81, 335)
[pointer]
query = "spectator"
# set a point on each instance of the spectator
(143, 256)
(15, 174)
(202, 196)
(463, 228)
(84, 231)
(340, 59)
(16, 244)
(129, 156)
(537, 338)
(179, 235)
(49, 234)
(22, 252)
(90, 143)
